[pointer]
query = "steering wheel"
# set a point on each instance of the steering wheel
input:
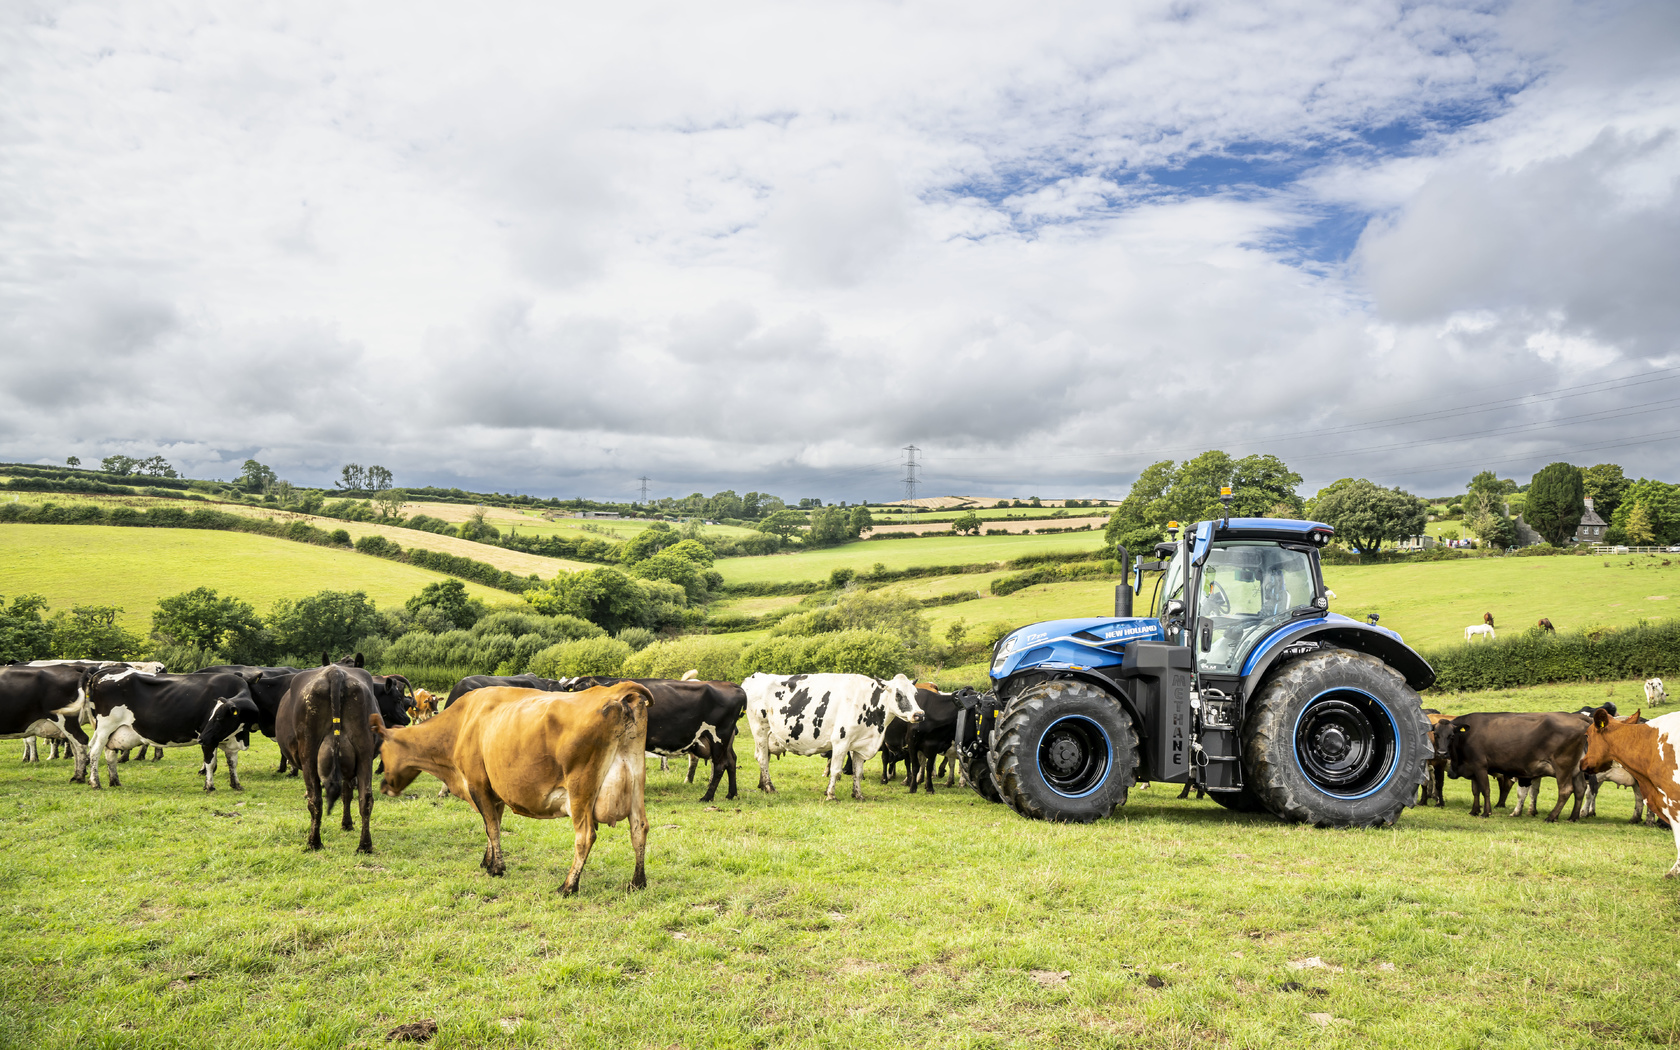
(1216, 601)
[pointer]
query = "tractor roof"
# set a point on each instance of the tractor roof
(1286, 529)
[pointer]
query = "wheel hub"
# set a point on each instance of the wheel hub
(1074, 756)
(1064, 754)
(1344, 743)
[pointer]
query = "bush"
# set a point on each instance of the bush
(715, 659)
(1090, 570)
(1595, 654)
(637, 638)
(843, 652)
(603, 656)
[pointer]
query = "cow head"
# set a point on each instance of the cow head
(901, 699)
(1598, 757)
(400, 771)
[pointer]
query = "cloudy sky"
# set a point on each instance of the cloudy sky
(554, 247)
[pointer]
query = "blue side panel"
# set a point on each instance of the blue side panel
(1052, 645)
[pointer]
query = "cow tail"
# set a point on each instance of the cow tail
(332, 771)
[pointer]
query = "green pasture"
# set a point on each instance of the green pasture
(992, 514)
(133, 568)
(901, 554)
(155, 915)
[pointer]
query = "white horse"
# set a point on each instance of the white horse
(1478, 630)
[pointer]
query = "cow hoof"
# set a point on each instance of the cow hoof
(365, 847)
(236, 787)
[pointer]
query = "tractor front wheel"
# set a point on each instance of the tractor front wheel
(1065, 751)
(1336, 739)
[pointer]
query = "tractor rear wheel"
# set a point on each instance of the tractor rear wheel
(1065, 751)
(1336, 739)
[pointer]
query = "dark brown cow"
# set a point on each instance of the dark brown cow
(543, 755)
(323, 725)
(1519, 745)
(1435, 772)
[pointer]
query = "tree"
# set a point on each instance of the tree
(377, 477)
(91, 632)
(203, 620)
(1661, 508)
(1554, 505)
(73, 462)
(119, 465)
(606, 598)
(968, 523)
(783, 522)
(329, 622)
(686, 564)
(24, 635)
(1605, 485)
(351, 477)
(390, 503)
(650, 541)
(1262, 486)
(829, 526)
(1638, 527)
(862, 522)
(448, 598)
(156, 467)
(1365, 514)
(254, 477)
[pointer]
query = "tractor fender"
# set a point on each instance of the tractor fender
(1106, 684)
(1384, 644)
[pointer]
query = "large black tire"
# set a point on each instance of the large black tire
(1064, 751)
(1336, 739)
(980, 777)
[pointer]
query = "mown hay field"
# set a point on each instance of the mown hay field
(132, 568)
(154, 915)
(901, 554)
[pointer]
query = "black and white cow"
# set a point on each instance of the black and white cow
(45, 702)
(845, 715)
(687, 717)
(56, 736)
(268, 687)
(933, 736)
(130, 708)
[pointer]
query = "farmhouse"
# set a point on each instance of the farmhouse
(1591, 529)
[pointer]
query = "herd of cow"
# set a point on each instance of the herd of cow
(542, 747)
(575, 747)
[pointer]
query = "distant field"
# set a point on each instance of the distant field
(993, 513)
(507, 560)
(533, 521)
(901, 554)
(133, 568)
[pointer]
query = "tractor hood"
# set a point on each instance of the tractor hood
(1071, 644)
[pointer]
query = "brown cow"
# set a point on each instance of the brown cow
(1487, 618)
(323, 725)
(1648, 752)
(1519, 745)
(1546, 626)
(425, 705)
(543, 755)
(1435, 770)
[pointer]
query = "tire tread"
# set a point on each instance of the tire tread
(1005, 757)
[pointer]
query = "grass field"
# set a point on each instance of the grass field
(901, 554)
(133, 568)
(154, 915)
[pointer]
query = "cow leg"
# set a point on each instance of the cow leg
(729, 757)
(1441, 784)
(1523, 791)
(311, 789)
(1504, 790)
(913, 769)
(231, 749)
(209, 766)
(717, 774)
(103, 727)
(1674, 822)
(857, 781)
(125, 752)
(490, 811)
(583, 840)
(157, 753)
(694, 764)
(364, 784)
(927, 762)
(29, 752)
(1640, 813)
(1567, 787)
(1481, 799)
(761, 754)
(639, 828)
(836, 766)
(948, 766)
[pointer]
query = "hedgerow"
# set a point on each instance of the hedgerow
(1650, 649)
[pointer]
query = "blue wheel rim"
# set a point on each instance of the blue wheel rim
(1346, 743)
(1074, 756)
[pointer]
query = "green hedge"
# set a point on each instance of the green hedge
(1647, 650)
(1091, 570)
(716, 659)
(840, 652)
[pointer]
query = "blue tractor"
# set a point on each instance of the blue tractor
(1240, 682)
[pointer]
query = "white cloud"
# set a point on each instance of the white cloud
(762, 246)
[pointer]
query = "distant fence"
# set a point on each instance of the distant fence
(1605, 548)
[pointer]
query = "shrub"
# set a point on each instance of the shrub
(340, 537)
(842, 652)
(716, 659)
(1591, 654)
(637, 638)
(603, 656)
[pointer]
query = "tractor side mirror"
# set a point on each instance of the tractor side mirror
(1173, 610)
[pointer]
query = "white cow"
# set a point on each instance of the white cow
(809, 714)
(1478, 630)
(1654, 694)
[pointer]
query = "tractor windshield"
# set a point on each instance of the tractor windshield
(1248, 588)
